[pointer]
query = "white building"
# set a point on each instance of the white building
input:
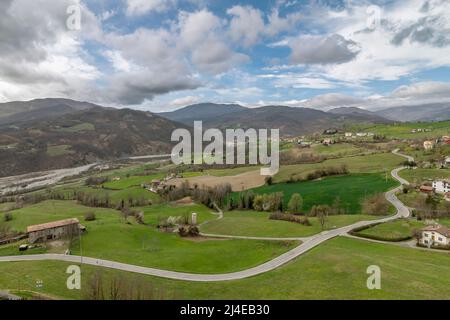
(447, 161)
(441, 186)
(348, 134)
(435, 235)
(428, 145)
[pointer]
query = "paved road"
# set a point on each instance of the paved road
(402, 211)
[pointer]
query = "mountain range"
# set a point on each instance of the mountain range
(423, 112)
(80, 135)
(291, 121)
(58, 133)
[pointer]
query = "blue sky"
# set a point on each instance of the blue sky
(160, 55)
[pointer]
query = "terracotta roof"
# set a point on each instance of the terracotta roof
(427, 188)
(51, 225)
(439, 229)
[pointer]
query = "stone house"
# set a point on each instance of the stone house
(54, 230)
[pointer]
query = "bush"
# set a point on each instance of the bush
(295, 203)
(188, 231)
(376, 205)
(89, 216)
(326, 172)
(95, 181)
(7, 216)
(269, 180)
(139, 216)
(290, 218)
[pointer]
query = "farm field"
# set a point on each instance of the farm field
(115, 196)
(239, 182)
(258, 224)
(334, 270)
(380, 162)
(339, 149)
(111, 237)
(418, 175)
(351, 189)
(415, 199)
(393, 230)
(133, 181)
(403, 130)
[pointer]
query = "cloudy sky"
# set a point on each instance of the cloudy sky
(160, 55)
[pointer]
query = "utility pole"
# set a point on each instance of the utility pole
(81, 257)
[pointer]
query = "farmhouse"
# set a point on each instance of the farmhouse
(426, 189)
(447, 196)
(328, 141)
(441, 186)
(428, 145)
(447, 161)
(53, 230)
(435, 235)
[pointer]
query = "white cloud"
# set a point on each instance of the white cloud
(201, 33)
(39, 56)
(248, 27)
(184, 101)
(333, 49)
(423, 90)
(140, 7)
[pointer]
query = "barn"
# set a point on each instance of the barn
(53, 230)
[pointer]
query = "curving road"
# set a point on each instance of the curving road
(402, 211)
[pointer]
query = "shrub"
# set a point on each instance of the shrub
(269, 180)
(95, 181)
(329, 171)
(139, 216)
(290, 218)
(7, 216)
(375, 205)
(89, 216)
(295, 203)
(188, 231)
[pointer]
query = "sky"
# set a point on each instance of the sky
(160, 55)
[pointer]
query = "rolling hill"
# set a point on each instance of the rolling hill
(82, 137)
(21, 111)
(424, 112)
(290, 121)
(201, 111)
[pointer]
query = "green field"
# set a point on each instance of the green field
(115, 196)
(258, 224)
(416, 199)
(85, 126)
(351, 189)
(109, 237)
(337, 150)
(403, 130)
(334, 270)
(382, 162)
(419, 175)
(59, 150)
(132, 181)
(392, 230)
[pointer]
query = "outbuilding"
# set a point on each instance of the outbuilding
(53, 230)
